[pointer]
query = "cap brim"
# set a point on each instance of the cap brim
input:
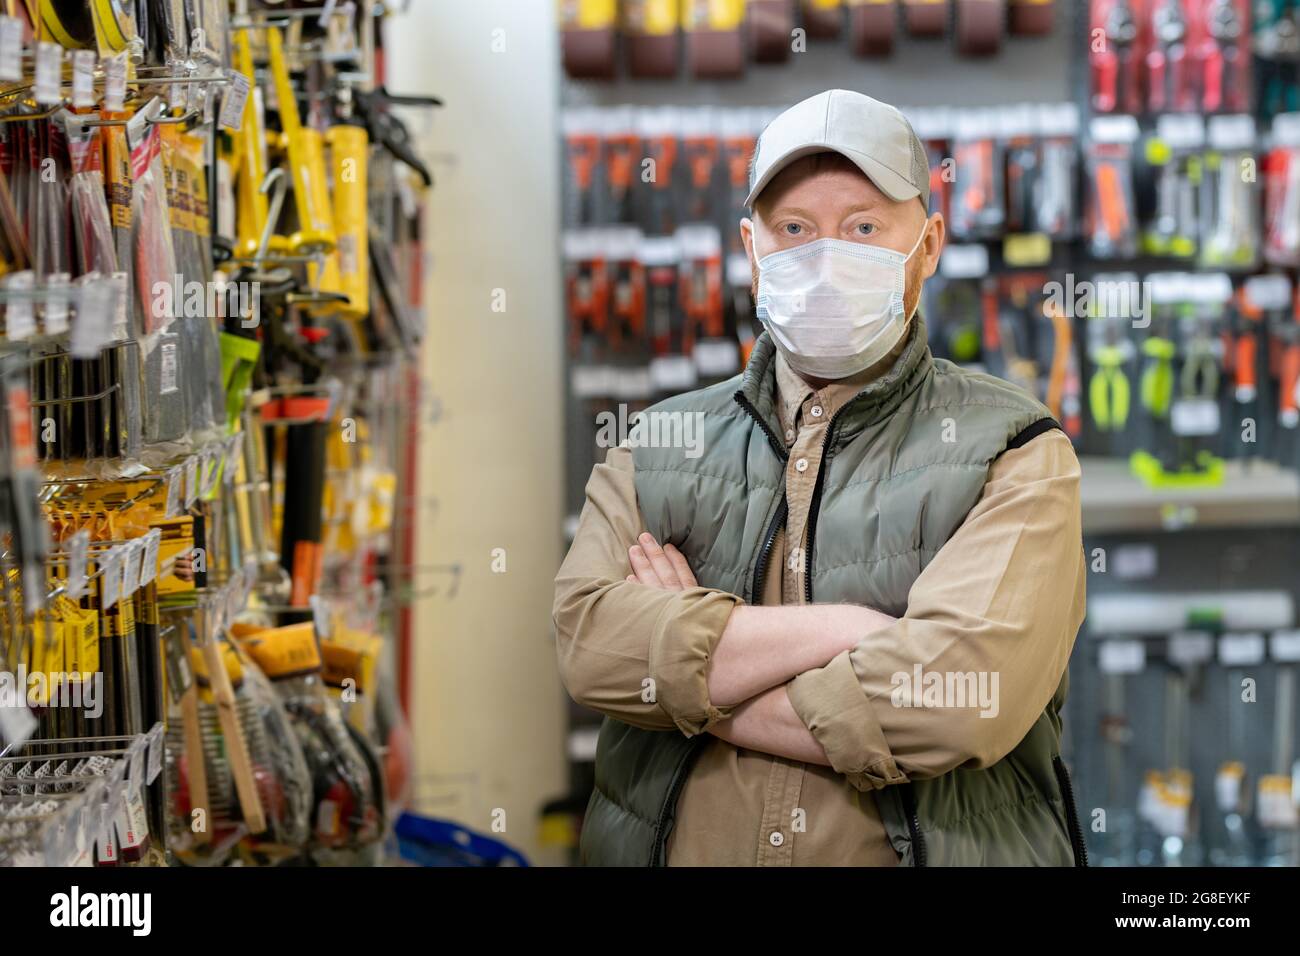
(885, 179)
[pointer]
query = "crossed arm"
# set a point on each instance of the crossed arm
(1003, 598)
(760, 650)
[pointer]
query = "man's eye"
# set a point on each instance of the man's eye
(865, 229)
(793, 229)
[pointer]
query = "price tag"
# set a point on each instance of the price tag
(232, 104)
(1122, 657)
(149, 563)
(11, 48)
(716, 357)
(211, 468)
(173, 506)
(111, 576)
(155, 754)
(92, 326)
(1193, 417)
(1241, 650)
(1191, 647)
(49, 74)
(1027, 249)
(56, 303)
(115, 83)
(672, 373)
(20, 316)
(964, 262)
(129, 566)
(83, 78)
(78, 545)
(1285, 646)
(191, 480)
(16, 723)
(1132, 562)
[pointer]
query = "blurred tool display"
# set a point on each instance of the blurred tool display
(1128, 257)
(210, 247)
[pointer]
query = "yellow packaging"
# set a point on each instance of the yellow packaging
(287, 651)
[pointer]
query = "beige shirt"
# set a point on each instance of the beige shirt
(1004, 596)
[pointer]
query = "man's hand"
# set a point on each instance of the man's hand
(659, 567)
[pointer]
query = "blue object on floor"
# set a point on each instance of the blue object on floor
(428, 841)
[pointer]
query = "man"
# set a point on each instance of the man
(912, 714)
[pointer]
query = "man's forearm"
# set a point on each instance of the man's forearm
(762, 647)
(768, 723)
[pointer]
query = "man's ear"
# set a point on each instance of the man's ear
(747, 237)
(936, 234)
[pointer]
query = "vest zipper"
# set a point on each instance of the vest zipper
(778, 519)
(1077, 843)
(772, 437)
(765, 553)
(908, 793)
(659, 846)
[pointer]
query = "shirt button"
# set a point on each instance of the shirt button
(816, 411)
(789, 434)
(777, 838)
(801, 465)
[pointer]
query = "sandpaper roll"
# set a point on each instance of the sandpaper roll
(587, 39)
(715, 46)
(650, 39)
(823, 19)
(980, 26)
(1030, 18)
(926, 18)
(770, 25)
(872, 24)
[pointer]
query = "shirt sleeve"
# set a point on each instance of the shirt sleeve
(635, 653)
(994, 615)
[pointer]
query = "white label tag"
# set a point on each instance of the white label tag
(16, 723)
(191, 480)
(1241, 650)
(672, 373)
(1134, 561)
(49, 74)
(965, 262)
(210, 468)
(173, 507)
(11, 48)
(20, 316)
(56, 302)
(129, 566)
(1285, 646)
(111, 576)
(83, 78)
(232, 104)
(716, 357)
(167, 368)
(1193, 417)
(92, 327)
(1122, 657)
(77, 547)
(149, 560)
(115, 83)
(1192, 647)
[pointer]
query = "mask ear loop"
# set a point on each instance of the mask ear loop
(900, 307)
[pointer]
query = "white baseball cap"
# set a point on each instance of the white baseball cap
(875, 136)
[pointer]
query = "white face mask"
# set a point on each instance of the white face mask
(834, 308)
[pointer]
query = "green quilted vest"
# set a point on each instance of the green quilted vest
(904, 462)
